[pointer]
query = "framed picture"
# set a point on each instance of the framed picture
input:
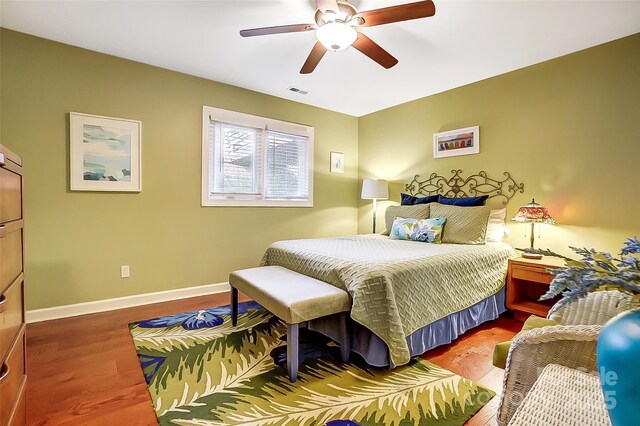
(456, 142)
(105, 153)
(337, 162)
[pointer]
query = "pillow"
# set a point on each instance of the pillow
(425, 230)
(420, 211)
(410, 200)
(495, 226)
(501, 350)
(465, 225)
(464, 201)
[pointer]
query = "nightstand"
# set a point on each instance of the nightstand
(527, 280)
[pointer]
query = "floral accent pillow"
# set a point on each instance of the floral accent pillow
(425, 230)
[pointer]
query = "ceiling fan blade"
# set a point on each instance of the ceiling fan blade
(312, 61)
(403, 12)
(374, 51)
(277, 30)
(324, 5)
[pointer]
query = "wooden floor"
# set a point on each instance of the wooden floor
(85, 371)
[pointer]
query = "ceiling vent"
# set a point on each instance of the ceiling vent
(296, 90)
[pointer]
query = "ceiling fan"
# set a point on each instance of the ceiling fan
(338, 26)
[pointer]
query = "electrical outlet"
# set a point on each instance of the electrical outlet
(124, 271)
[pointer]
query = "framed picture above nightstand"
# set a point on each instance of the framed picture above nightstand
(527, 280)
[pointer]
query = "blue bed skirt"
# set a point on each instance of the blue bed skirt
(440, 332)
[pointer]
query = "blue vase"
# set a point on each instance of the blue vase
(619, 367)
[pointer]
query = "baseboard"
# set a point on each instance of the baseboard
(66, 311)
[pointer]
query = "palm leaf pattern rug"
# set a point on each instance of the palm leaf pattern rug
(201, 370)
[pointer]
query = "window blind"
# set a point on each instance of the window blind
(252, 163)
(236, 159)
(286, 166)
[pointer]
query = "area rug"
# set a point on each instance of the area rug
(201, 370)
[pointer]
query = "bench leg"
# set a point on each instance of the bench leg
(345, 341)
(234, 306)
(292, 351)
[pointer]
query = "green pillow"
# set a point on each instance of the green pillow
(501, 350)
(418, 211)
(465, 225)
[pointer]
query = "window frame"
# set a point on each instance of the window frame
(248, 120)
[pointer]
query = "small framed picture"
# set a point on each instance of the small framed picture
(105, 153)
(337, 162)
(456, 142)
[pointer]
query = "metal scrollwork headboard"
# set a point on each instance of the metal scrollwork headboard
(471, 186)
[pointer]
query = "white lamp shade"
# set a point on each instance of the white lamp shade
(375, 189)
(336, 36)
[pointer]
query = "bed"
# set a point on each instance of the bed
(408, 296)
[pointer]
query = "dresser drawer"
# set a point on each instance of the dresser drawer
(12, 374)
(11, 314)
(531, 274)
(19, 415)
(10, 195)
(10, 252)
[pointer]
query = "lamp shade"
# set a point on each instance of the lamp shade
(336, 36)
(533, 212)
(375, 189)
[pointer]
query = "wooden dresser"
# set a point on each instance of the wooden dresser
(13, 376)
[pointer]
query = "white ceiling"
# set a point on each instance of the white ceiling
(465, 41)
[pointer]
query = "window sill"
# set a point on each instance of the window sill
(256, 203)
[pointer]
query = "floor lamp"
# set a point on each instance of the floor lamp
(375, 189)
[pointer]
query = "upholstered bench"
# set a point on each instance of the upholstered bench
(294, 298)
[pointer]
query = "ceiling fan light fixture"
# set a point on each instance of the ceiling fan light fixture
(336, 36)
(335, 27)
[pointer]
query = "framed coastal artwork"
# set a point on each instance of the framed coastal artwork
(456, 142)
(337, 162)
(105, 153)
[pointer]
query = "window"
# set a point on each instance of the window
(255, 161)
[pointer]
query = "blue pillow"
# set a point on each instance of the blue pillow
(464, 201)
(410, 200)
(424, 230)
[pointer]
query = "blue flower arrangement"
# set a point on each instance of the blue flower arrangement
(597, 270)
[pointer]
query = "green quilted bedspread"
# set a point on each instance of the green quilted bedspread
(397, 286)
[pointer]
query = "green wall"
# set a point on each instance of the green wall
(567, 128)
(76, 241)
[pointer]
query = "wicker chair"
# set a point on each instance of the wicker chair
(572, 344)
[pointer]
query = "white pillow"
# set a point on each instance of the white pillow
(496, 228)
